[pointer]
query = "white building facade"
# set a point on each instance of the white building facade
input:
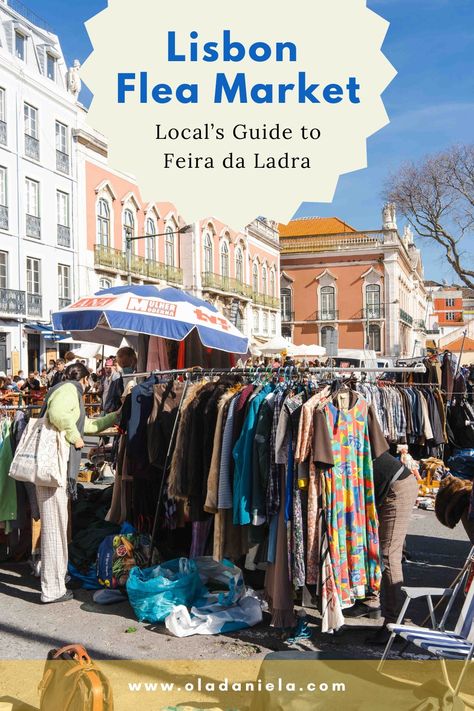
(38, 186)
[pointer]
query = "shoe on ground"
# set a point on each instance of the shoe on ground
(68, 595)
(381, 637)
(361, 609)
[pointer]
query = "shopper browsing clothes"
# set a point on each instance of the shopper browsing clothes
(65, 410)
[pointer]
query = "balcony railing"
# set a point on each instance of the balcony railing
(373, 312)
(338, 242)
(116, 261)
(63, 303)
(265, 300)
(12, 302)
(33, 226)
(64, 236)
(406, 318)
(32, 147)
(62, 162)
(3, 133)
(287, 316)
(3, 217)
(327, 315)
(226, 283)
(420, 325)
(34, 304)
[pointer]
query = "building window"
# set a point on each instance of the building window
(3, 270)
(150, 243)
(256, 321)
(265, 323)
(20, 46)
(62, 148)
(264, 280)
(372, 301)
(103, 223)
(64, 285)
(208, 258)
(239, 265)
(224, 259)
(33, 221)
(255, 278)
(328, 303)
(3, 117)
(3, 198)
(450, 316)
(273, 324)
(285, 297)
(105, 283)
(272, 283)
(450, 302)
(33, 276)
(128, 227)
(375, 343)
(31, 132)
(327, 336)
(169, 247)
(50, 66)
(64, 228)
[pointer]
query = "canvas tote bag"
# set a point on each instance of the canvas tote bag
(41, 456)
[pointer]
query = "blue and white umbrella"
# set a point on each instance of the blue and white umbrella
(111, 314)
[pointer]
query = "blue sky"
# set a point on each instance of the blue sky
(430, 102)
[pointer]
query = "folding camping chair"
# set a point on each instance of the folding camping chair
(456, 645)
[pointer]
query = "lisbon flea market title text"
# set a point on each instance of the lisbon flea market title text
(235, 88)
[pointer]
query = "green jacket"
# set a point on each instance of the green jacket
(63, 413)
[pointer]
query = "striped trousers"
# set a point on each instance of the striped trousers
(53, 506)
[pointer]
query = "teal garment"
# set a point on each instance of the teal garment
(8, 502)
(243, 455)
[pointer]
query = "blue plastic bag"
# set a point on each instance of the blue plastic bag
(153, 592)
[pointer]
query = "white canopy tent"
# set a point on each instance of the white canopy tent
(306, 351)
(276, 346)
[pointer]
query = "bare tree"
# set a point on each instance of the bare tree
(437, 197)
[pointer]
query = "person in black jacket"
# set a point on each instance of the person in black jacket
(58, 376)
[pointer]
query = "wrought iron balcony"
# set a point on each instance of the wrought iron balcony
(420, 325)
(32, 147)
(114, 260)
(33, 226)
(287, 316)
(63, 303)
(62, 162)
(3, 217)
(265, 300)
(228, 284)
(64, 236)
(406, 318)
(34, 304)
(12, 302)
(3, 133)
(327, 315)
(372, 313)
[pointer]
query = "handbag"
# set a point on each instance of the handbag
(42, 455)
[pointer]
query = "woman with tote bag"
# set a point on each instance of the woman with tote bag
(65, 411)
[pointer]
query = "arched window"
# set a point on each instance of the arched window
(169, 247)
(328, 304)
(265, 323)
(264, 280)
(128, 227)
(272, 283)
(375, 341)
(103, 223)
(256, 321)
(208, 255)
(372, 301)
(285, 302)
(150, 229)
(105, 283)
(327, 335)
(255, 277)
(274, 324)
(239, 265)
(224, 259)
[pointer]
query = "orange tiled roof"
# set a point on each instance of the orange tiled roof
(310, 226)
